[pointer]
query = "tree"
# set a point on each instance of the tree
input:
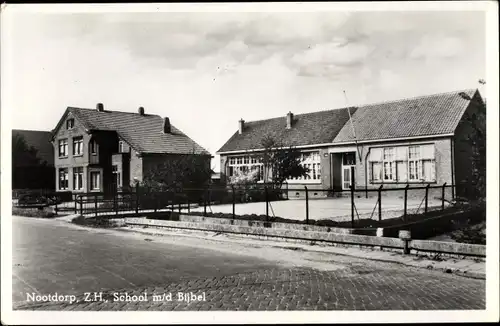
(22, 154)
(179, 172)
(280, 162)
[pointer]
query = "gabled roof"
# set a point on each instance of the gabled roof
(307, 129)
(144, 133)
(436, 114)
(40, 140)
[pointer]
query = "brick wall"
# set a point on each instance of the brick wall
(71, 161)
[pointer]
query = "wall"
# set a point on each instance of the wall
(70, 161)
(464, 151)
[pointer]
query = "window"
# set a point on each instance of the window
(78, 146)
(93, 147)
(116, 176)
(63, 179)
(389, 164)
(70, 123)
(244, 164)
(311, 161)
(414, 163)
(78, 178)
(120, 146)
(95, 180)
(63, 147)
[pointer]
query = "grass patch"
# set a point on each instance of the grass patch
(33, 212)
(94, 222)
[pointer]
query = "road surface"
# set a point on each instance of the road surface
(52, 257)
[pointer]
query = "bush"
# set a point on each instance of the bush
(473, 234)
(42, 213)
(169, 216)
(94, 222)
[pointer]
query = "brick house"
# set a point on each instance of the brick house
(415, 141)
(102, 151)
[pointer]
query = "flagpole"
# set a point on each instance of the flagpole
(352, 127)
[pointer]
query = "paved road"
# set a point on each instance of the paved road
(50, 256)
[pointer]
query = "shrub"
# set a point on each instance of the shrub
(33, 212)
(94, 222)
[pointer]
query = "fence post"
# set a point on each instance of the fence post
(353, 185)
(380, 202)
(76, 209)
(205, 203)
(234, 201)
(95, 197)
(81, 205)
(442, 196)
(56, 207)
(267, 203)
(307, 205)
(137, 198)
(115, 201)
(406, 202)
(427, 197)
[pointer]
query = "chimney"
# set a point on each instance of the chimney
(241, 126)
(166, 126)
(141, 110)
(289, 120)
(100, 107)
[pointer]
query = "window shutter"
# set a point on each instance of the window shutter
(402, 153)
(376, 155)
(402, 171)
(377, 171)
(427, 152)
(429, 172)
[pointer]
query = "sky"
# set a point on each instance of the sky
(207, 70)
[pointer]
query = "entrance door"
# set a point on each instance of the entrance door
(348, 163)
(346, 177)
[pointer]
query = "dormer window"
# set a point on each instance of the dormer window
(70, 123)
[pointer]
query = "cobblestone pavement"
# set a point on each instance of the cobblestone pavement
(359, 287)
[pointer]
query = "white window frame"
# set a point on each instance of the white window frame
(311, 161)
(389, 161)
(98, 179)
(63, 147)
(120, 146)
(69, 125)
(78, 146)
(243, 164)
(78, 178)
(93, 147)
(415, 162)
(117, 175)
(63, 178)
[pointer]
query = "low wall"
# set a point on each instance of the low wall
(329, 237)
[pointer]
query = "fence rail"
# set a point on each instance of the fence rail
(264, 200)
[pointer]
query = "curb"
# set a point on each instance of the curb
(192, 234)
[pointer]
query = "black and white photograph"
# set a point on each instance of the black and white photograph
(249, 162)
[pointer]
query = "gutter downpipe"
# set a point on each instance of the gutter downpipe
(453, 184)
(366, 172)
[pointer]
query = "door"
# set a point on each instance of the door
(346, 177)
(348, 163)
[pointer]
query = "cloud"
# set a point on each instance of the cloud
(330, 58)
(438, 46)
